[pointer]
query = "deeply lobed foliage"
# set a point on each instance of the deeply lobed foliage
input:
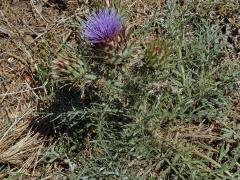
(157, 107)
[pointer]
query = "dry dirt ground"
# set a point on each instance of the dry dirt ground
(28, 26)
(23, 23)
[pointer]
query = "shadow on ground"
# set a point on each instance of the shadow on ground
(76, 117)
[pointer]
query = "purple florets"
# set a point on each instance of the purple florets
(102, 26)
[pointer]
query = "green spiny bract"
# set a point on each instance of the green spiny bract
(157, 52)
(71, 70)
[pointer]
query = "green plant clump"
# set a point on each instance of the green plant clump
(156, 107)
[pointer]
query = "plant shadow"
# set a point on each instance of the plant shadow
(76, 117)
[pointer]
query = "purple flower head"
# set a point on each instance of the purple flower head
(102, 26)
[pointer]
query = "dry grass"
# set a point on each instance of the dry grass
(27, 27)
(21, 22)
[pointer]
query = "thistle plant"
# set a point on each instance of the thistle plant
(104, 28)
(104, 31)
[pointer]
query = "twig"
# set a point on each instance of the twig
(12, 93)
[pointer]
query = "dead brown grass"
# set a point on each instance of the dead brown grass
(23, 24)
